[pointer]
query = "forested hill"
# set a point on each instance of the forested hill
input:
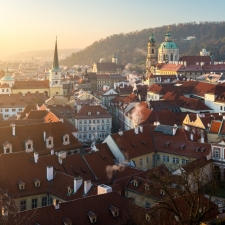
(132, 47)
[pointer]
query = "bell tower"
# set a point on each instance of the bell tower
(55, 77)
(151, 59)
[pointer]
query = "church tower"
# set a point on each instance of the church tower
(114, 58)
(55, 77)
(151, 58)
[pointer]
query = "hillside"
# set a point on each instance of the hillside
(132, 47)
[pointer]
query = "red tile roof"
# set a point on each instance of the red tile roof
(31, 84)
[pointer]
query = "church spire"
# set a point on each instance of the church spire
(56, 60)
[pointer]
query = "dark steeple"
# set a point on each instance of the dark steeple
(56, 60)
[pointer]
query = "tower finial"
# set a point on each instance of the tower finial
(168, 28)
(56, 60)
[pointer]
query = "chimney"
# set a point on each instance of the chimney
(77, 183)
(61, 156)
(141, 128)
(220, 114)
(44, 135)
(191, 136)
(56, 203)
(174, 130)
(52, 152)
(136, 130)
(49, 173)
(5, 211)
(120, 132)
(87, 186)
(61, 119)
(13, 129)
(35, 157)
(202, 138)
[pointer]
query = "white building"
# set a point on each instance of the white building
(93, 123)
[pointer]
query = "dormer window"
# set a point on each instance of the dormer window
(7, 147)
(98, 113)
(147, 187)
(21, 185)
(162, 192)
(114, 210)
(67, 221)
(70, 190)
(37, 182)
(49, 142)
(66, 139)
(92, 217)
(29, 145)
(136, 183)
(89, 113)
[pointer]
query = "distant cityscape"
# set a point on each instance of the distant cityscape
(113, 144)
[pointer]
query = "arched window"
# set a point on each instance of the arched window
(171, 57)
(153, 51)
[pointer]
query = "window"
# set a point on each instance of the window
(80, 128)
(23, 205)
(175, 160)
(34, 203)
(85, 128)
(141, 162)
(147, 159)
(158, 157)
(3, 90)
(89, 121)
(20, 109)
(93, 121)
(89, 128)
(97, 121)
(107, 128)
(217, 153)
(147, 205)
(107, 120)
(162, 192)
(103, 121)
(13, 110)
(6, 110)
(184, 161)
(80, 121)
(43, 201)
(103, 128)
(166, 158)
(98, 128)
(85, 121)
(50, 200)
(89, 135)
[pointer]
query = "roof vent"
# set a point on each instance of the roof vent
(114, 210)
(92, 217)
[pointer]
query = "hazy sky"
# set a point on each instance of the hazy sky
(33, 24)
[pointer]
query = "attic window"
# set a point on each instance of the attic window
(49, 142)
(114, 211)
(162, 192)
(28, 145)
(70, 190)
(67, 221)
(89, 113)
(182, 146)
(37, 182)
(66, 139)
(92, 217)
(7, 147)
(146, 186)
(136, 183)
(203, 149)
(98, 113)
(168, 143)
(21, 185)
(197, 149)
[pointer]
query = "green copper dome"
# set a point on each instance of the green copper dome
(7, 77)
(168, 44)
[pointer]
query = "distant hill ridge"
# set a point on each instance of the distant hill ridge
(132, 47)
